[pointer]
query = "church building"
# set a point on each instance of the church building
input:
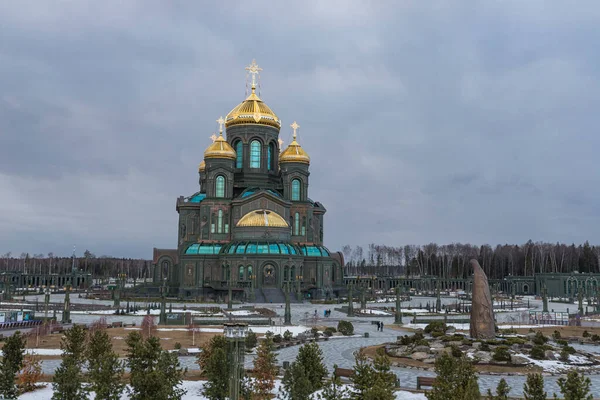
(251, 226)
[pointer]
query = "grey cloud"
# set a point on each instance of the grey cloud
(425, 122)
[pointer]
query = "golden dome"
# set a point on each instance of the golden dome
(202, 166)
(252, 111)
(220, 149)
(263, 218)
(294, 152)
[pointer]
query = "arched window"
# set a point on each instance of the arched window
(271, 156)
(303, 226)
(220, 221)
(239, 151)
(297, 224)
(293, 274)
(255, 154)
(285, 273)
(220, 186)
(249, 271)
(296, 190)
(241, 273)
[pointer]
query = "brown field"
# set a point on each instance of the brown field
(118, 335)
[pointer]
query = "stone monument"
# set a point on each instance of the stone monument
(482, 310)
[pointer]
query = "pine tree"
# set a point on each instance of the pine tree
(534, 387)
(215, 366)
(12, 362)
(575, 386)
(154, 373)
(456, 380)
(310, 357)
(104, 368)
(501, 391)
(334, 389)
(373, 381)
(295, 383)
(68, 377)
(265, 370)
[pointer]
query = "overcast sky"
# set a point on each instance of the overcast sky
(426, 121)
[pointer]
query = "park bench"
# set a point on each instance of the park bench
(343, 373)
(424, 381)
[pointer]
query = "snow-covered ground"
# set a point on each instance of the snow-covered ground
(243, 312)
(194, 389)
(42, 352)
(375, 312)
(465, 327)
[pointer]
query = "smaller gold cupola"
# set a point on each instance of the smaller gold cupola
(202, 166)
(294, 152)
(220, 148)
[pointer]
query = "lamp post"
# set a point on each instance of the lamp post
(162, 319)
(66, 316)
(288, 308)
(229, 290)
(350, 301)
(298, 291)
(46, 303)
(252, 294)
(398, 313)
(235, 334)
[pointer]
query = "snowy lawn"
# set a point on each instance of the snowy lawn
(193, 393)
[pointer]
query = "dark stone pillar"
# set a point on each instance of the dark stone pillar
(398, 313)
(350, 302)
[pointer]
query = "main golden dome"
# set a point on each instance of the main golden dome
(263, 218)
(252, 111)
(220, 149)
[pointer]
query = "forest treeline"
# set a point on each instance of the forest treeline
(99, 267)
(452, 260)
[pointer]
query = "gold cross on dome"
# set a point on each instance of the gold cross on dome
(295, 127)
(213, 137)
(221, 121)
(280, 140)
(254, 70)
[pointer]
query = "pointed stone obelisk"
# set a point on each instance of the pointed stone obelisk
(398, 313)
(288, 309)
(350, 302)
(482, 311)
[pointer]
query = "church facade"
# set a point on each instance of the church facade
(251, 226)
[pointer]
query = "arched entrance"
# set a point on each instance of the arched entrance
(269, 276)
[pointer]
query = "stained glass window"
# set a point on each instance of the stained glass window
(241, 273)
(220, 222)
(220, 186)
(239, 151)
(296, 190)
(255, 154)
